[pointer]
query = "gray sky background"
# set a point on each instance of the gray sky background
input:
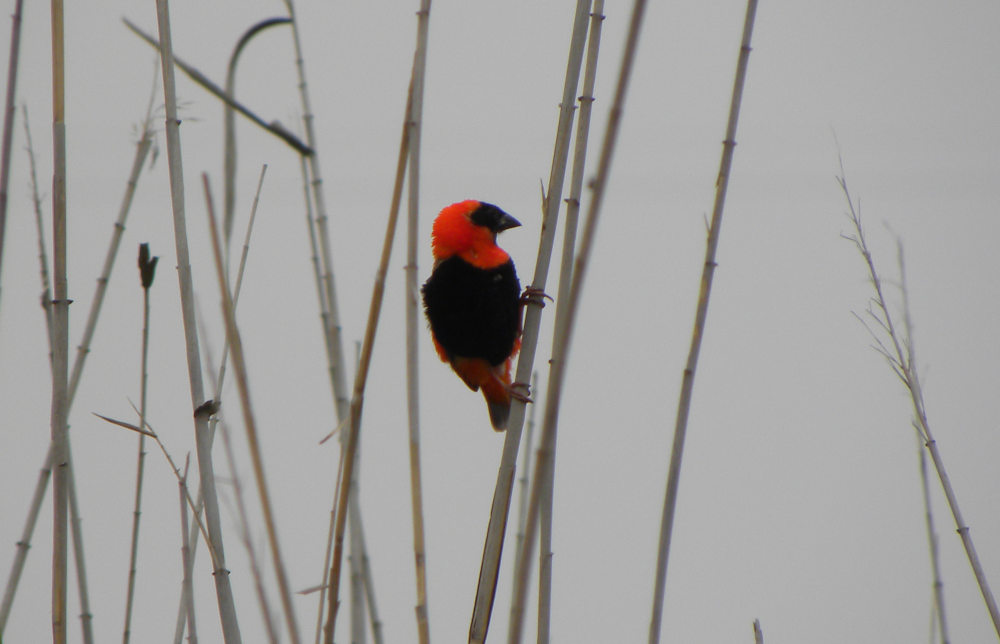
(800, 498)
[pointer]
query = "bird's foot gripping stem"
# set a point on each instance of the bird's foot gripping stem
(535, 296)
(521, 391)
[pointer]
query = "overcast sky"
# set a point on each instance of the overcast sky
(800, 500)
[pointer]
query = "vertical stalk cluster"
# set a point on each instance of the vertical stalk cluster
(493, 547)
(564, 324)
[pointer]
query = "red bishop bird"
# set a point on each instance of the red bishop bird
(473, 301)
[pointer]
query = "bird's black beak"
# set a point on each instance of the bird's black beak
(506, 222)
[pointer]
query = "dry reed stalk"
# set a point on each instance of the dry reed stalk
(361, 377)
(22, 546)
(701, 313)
(8, 121)
(938, 612)
(223, 588)
(36, 200)
(565, 279)
(60, 333)
(560, 349)
(186, 557)
(76, 532)
(900, 355)
(329, 300)
(24, 543)
(147, 270)
(412, 296)
(493, 547)
(244, 526)
(522, 482)
(239, 367)
(366, 575)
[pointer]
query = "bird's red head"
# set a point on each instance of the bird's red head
(469, 229)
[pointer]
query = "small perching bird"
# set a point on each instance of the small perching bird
(473, 301)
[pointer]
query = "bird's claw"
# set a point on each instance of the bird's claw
(535, 296)
(521, 391)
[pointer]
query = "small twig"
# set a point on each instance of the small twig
(188, 584)
(902, 359)
(274, 127)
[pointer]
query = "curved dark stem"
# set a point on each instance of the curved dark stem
(229, 154)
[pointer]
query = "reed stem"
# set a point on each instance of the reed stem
(701, 314)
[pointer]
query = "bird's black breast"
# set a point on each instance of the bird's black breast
(474, 312)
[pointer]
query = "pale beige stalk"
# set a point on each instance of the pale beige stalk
(701, 313)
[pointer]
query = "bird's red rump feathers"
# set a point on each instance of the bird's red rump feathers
(472, 301)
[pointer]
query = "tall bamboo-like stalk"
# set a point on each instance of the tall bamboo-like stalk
(147, 271)
(239, 368)
(493, 547)
(186, 558)
(361, 377)
(565, 280)
(8, 121)
(412, 296)
(333, 328)
(223, 588)
(701, 313)
(564, 327)
(938, 614)
(899, 353)
(522, 481)
(60, 333)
